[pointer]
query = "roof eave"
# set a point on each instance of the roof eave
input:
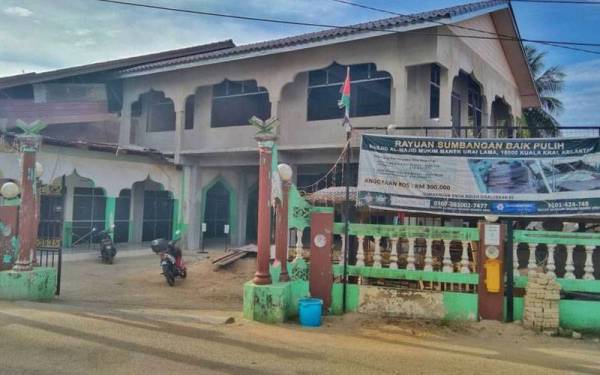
(527, 100)
(307, 45)
(109, 66)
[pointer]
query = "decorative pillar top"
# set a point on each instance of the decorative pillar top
(265, 136)
(30, 140)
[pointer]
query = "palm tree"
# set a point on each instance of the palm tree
(549, 82)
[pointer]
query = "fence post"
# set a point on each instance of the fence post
(509, 271)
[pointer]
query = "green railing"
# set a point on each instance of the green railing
(405, 249)
(407, 231)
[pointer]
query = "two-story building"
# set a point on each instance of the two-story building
(461, 68)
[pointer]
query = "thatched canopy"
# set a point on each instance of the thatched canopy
(331, 195)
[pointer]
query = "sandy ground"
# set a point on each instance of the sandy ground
(124, 319)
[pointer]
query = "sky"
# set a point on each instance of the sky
(41, 35)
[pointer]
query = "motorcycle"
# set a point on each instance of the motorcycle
(107, 246)
(171, 258)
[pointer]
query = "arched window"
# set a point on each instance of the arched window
(136, 109)
(235, 102)
(158, 110)
(190, 106)
(370, 92)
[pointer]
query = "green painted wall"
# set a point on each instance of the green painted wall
(460, 306)
(574, 314)
(517, 308)
(36, 285)
(10, 202)
(580, 315)
(352, 298)
(403, 274)
(577, 285)
(266, 303)
(67, 233)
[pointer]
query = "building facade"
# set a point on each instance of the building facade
(461, 69)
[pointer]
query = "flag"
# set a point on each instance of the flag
(344, 102)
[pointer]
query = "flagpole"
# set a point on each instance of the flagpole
(348, 128)
(346, 211)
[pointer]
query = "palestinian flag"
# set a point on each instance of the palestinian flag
(344, 102)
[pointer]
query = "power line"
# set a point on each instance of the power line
(575, 2)
(561, 44)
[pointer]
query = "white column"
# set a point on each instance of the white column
(569, 266)
(550, 265)
(589, 266)
(394, 253)
(464, 258)
(447, 261)
(179, 127)
(428, 258)
(532, 264)
(360, 253)
(125, 124)
(377, 252)
(410, 259)
(190, 206)
(299, 246)
(516, 272)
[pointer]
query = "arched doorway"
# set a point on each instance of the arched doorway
(216, 211)
(158, 215)
(501, 118)
(89, 207)
(252, 215)
(122, 216)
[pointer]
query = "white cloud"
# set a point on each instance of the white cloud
(586, 71)
(18, 11)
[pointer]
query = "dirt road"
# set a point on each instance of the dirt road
(124, 319)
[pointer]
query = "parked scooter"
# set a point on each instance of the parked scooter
(107, 246)
(171, 258)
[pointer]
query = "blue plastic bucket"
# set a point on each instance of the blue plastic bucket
(309, 311)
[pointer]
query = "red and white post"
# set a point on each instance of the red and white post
(28, 146)
(265, 148)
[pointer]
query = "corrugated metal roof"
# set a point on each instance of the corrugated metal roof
(112, 65)
(377, 25)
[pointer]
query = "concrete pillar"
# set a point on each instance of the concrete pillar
(179, 128)
(398, 100)
(447, 76)
(109, 213)
(137, 212)
(486, 116)
(190, 207)
(125, 126)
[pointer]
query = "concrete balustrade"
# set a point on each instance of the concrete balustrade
(428, 249)
(556, 254)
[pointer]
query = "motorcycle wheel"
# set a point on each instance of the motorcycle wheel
(170, 278)
(110, 260)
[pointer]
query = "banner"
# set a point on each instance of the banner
(476, 177)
